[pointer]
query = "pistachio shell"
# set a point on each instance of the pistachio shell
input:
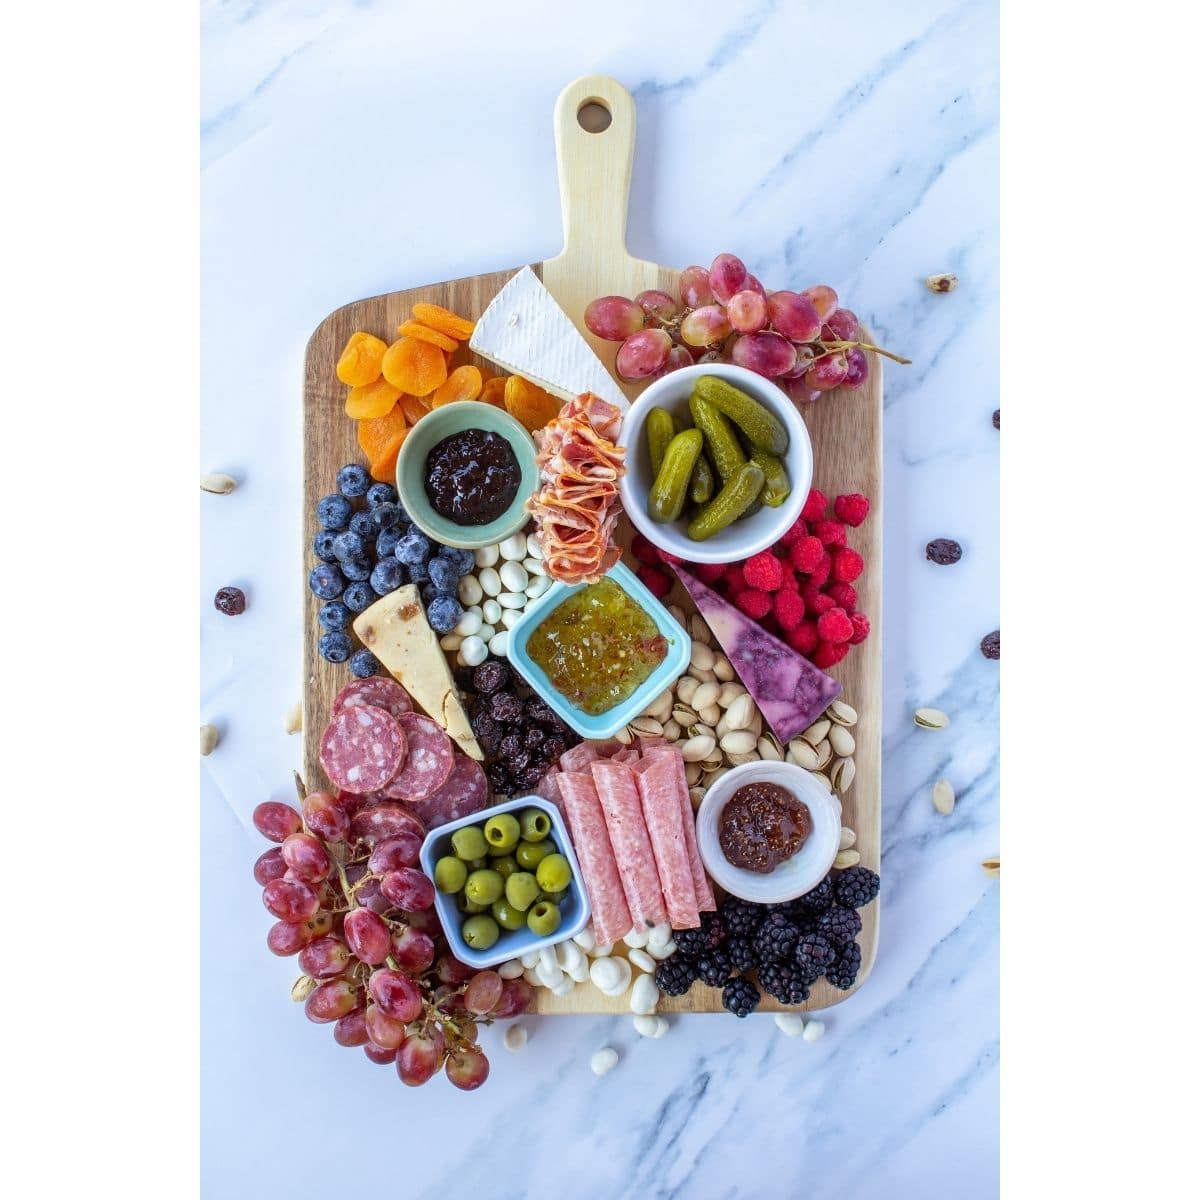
(802, 754)
(702, 730)
(692, 772)
(723, 669)
(685, 689)
(646, 726)
(671, 730)
(303, 987)
(847, 858)
(842, 741)
(823, 780)
(217, 484)
(842, 775)
(992, 865)
(710, 715)
(702, 656)
(768, 750)
(824, 754)
(696, 795)
(817, 731)
(931, 718)
(739, 760)
(678, 614)
(841, 713)
(698, 628)
(740, 713)
(705, 695)
(681, 714)
(294, 721)
(722, 727)
(729, 693)
(943, 796)
(624, 736)
(738, 741)
(847, 838)
(697, 749)
(703, 675)
(209, 737)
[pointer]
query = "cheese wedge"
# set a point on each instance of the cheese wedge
(397, 632)
(525, 331)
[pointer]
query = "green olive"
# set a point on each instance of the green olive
(553, 874)
(478, 864)
(449, 874)
(521, 890)
(484, 887)
(508, 916)
(504, 866)
(502, 832)
(467, 905)
(529, 854)
(535, 825)
(544, 918)
(469, 842)
(480, 932)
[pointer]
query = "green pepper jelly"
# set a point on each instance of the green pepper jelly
(597, 647)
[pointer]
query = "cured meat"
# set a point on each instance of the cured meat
(704, 896)
(597, 863)
(382, 821)
(464, 793)
(618, 795)
(656, 785)
(377, 691)
(429, 761)
(578, 758)
(548, 788)
(362, 748)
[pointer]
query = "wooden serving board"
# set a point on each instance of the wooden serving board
(594, 171)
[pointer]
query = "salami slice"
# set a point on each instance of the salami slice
(578, 758)
(429, 762)
(703, 889)
(464, 793)
(597, 863)
(618, 794)
(378, 691)
(660, 807)
(382, 821)
(362, 748)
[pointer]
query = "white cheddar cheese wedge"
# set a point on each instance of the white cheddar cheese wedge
(397, 632)
(525, 331)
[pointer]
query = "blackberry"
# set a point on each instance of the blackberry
(741, 953)
(798, 992)
(353, 480)
(713, 968)
(818, 900)
(840, 925)
(844, 972)
(856, 887)
(691, 943)
(741, 918)
(739, 996)
(333, 512)
(776, 938)
(364, 664)
(776, 979)
(815, 953)
(713, 927)
(674, 975)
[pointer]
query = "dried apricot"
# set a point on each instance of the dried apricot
(414, 408)
(463, 383)
(380, 439)
(493, 391)
(361, 360)
(425, 334)
(443, 320)
(532, 406)
(414, 366)
(371, 400)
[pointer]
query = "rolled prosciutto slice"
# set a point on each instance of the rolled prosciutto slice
(618, 793)
(598, 864)
(657, 785)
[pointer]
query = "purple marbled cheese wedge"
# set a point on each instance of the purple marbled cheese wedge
(790, 692)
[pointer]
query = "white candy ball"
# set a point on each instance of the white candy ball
(511, 969)
(789, 1024)
(487, 556)
(513, 547)
(469, 591)
(491, 611)
(514, 577)
(535, 566)
(604, 1060)
(498, 644)
(537, 586)
(510, 617)
(473, 650)
(511, 599)
(515, 1036)
(489, 580)
(468, 624)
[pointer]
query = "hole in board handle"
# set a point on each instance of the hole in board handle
(594, 116)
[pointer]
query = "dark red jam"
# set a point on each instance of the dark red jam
(762, 825)
(472, 477)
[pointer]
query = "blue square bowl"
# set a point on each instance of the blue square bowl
(574, 906)
(679, 654)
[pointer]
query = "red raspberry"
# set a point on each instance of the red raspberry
(803, 639)
(847, 565)
(831, 533)
(735, 581)
(835, 626)
(814, 506)
(789, 609)
(820, 573)
(852, 508)
(862, 626)
(669, 558)
(820, 604)
(793, 535)
(709, 572)
(806, 553)
(644, 550)
(753, 603)
(844, 595)
(829, 653)
(655, 579)
(764, 571)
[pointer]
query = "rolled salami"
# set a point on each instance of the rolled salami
(597, 863)
(704, 897)
(622, 807)
(656, 785)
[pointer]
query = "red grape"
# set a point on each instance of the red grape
(794, 316)
(827, 372)
(768, 354)
(516, 999)
(403, 850)
(284, 938)
(320, 924)
(325, 958)
(381, 821)
(799, 391)
(408, 888)
(370, 895)
(290, 900)
(657, 305)
(483, 993)
(753, 284)
(275, 820)
(383, 1030)
(824, 300)
(378, 1054)
(680, 356)
(420, 1056)
(413, 950)
(857, 367)
(643, 354)
(306, 857)
(705, 326)
(367, 936)
(325, 816)
(425, 922)
(269, 865)
(450, 971)
(727, 276)
(804, 360)
(467, 1068)
(396, 994)
(613, 318)
(695, 291)
(351, 1030)
(330, 1000)
(843, 325)
(747, 311)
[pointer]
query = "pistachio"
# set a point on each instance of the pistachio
(711, 776)
(703, 675)
(729, 693)
(303, 987)
(646, 726)
(841, 775)
(295, 718)
(739, 741)
(696, 795)
(702, 656)
(624, 736)
(824, 754)
(992, 865)
(705, 695)
(768, 750)
(209, 737)
(660, 706)
(931, 718)
(685, 689)
(943, 796)
(696, 749)
(842, 741)
(802, 754)
(710, 715)
(699, 630)
(722, 727)
(840, 713)
(681, 714)
(823, 780)
(739, 760)
(219, 485)
(847, 838)
(756, 723)
(740, 713)
(723, 669)
(702, 730)
(847, 858)
(671, 730)
(678, 614)
(691, 772)
(817, 731)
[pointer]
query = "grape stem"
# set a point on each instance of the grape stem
(834, 347)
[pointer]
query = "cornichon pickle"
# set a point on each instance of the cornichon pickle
(777, 488)
(671, 483)
(763, 429)
(701, 488)
(661, 427)
(729, 503)
(723, 447)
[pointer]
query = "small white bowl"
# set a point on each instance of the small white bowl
(794, 876)
(747, 536)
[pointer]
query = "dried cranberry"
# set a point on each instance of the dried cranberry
(534, 737)
(990, 646)
(231, 601)
(490, 677)
(996, 419)
(553, 747)
(943, 551)
(506, 707)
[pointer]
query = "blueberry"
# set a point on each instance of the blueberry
(442, 574)
(444, 612)
(335, 647)
(323, 545)
(364, 663)
(362, 524)
(359, 596)
(380, 493)
(357, 569)
(418, 572)
(348, 545)
(326, 581)
(334, 615)
(388, 539)
(353, 480)
(334, 512)
(463, 560)
(385, 515)
(387, 576)
(413, 548)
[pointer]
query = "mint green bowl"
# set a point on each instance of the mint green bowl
(411, 473)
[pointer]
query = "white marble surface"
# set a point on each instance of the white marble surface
(355, 148)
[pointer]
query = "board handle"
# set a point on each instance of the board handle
(595, 122)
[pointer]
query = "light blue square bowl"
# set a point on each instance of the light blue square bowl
(573, 904)
(679, 654)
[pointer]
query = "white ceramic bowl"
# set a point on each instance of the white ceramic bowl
(747, 536)
(794, 876)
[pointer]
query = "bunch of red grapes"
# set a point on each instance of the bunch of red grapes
(803, 340)
(349, 899)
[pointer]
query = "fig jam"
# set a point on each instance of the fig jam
(762, 825)
(472, 477)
